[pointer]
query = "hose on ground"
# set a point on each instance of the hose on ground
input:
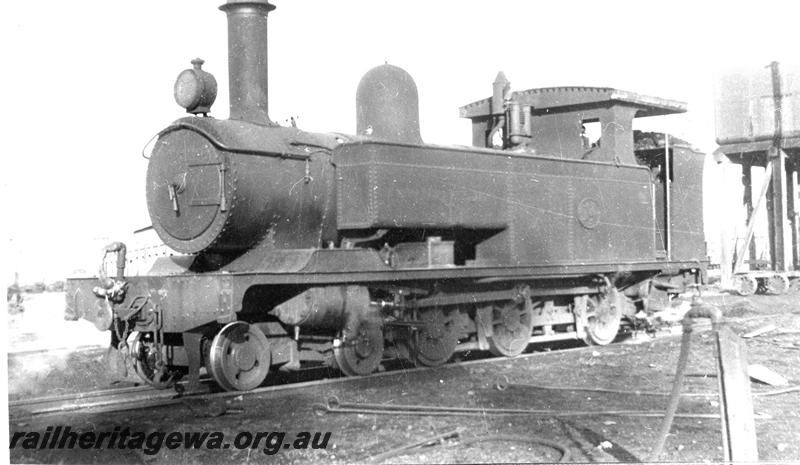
(675, 395)
(437, 440)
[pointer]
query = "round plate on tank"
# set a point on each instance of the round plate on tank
(589, 213)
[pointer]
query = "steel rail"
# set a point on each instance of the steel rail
(334, 405)
(503, 383)
(79, 396)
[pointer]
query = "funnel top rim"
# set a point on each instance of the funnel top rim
(233, 5)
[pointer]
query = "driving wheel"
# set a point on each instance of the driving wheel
(360, 349)
(437, 339)
(603, 318)
(239, 357)
(512, 324)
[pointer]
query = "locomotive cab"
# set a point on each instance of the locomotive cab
(558, 116)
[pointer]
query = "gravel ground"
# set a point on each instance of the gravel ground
(49, 355)
(646, 366)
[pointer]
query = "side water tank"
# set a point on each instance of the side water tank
(387, 105)
(745, 106)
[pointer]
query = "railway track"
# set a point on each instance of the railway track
(108, 400)
(136, 397)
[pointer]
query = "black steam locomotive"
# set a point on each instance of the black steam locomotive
(351, 249)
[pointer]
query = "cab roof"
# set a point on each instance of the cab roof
(558, 99)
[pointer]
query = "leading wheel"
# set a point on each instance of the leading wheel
(603, 318)
(361, 348)
(147, 365)
(438, 337)
(239, 357)
(511, 328)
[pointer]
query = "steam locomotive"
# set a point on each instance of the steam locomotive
(349, 249)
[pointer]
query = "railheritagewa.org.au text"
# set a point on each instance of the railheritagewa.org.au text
(269, 442)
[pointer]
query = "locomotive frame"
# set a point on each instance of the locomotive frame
(349, 249)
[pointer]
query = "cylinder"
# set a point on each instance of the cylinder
(247, 59)
(323, 307)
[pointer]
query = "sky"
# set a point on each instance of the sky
(86, 84)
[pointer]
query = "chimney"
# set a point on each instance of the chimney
(247, 59)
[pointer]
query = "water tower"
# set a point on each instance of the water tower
(758, 125)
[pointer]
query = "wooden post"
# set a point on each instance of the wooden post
(739, 441)
(667, 198)
(794, 208)
(747, 183)
(770, 204)
(777, 196)
(763, 192)
(776, 208)
(736, 403)
(791, 216)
